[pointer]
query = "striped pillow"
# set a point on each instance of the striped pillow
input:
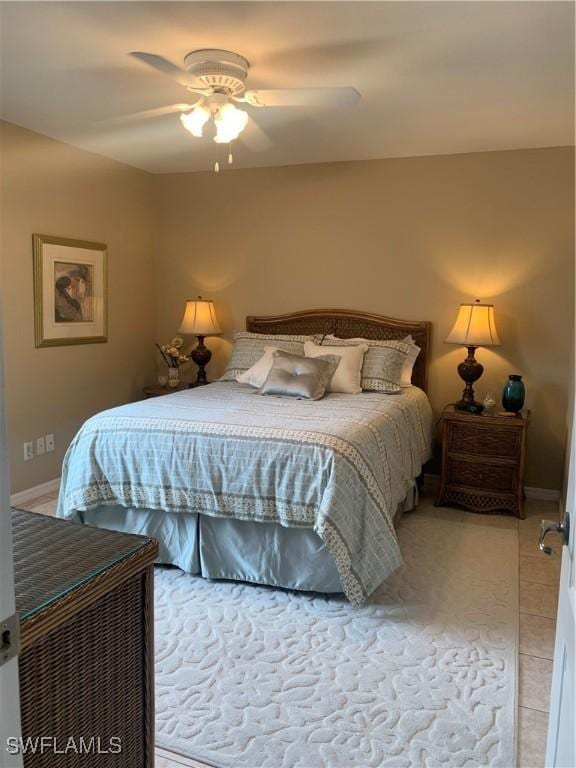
(382, 366)
(249, 348)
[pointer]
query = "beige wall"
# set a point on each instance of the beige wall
(408, 237)
(52, 188)
(411, 238)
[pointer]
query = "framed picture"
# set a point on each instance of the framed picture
(70, 301)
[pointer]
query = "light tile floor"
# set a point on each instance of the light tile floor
(539, 580)
(539, 575)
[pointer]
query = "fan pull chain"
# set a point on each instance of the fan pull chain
(230, 158)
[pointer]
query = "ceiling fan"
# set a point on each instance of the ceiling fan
(218, 78)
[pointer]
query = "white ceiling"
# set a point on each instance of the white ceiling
(436, 77)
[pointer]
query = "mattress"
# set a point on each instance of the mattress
(338, 467)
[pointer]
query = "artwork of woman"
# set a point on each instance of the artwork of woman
(73, 301)
(70, 291)
(66, 307)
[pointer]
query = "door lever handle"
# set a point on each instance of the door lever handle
(549, 526)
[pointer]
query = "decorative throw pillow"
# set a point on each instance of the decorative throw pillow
(382, 367)
(249, 348)
(256, 375)
(297, 376)
(408, 367)
(346, 378)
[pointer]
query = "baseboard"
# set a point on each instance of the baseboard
(431, 483)
(542, 494)
(33, 493)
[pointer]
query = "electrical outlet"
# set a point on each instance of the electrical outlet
(40, 446)
(49, 440)
(28, 451)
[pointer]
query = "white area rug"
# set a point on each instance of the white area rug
(425, 675)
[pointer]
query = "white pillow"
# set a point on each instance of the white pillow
(346, 378)
(408, 365)
(258, 373)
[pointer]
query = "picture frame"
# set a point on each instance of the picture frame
(70, 291)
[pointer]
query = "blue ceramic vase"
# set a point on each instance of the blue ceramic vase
(514, 394)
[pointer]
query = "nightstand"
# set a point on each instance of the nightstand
(483, 461)
(156, 390)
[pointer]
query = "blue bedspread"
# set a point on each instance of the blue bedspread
(339, 466)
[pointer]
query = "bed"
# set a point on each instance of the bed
(291, 493)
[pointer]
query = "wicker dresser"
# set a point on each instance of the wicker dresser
(483, 461)
(86, 664)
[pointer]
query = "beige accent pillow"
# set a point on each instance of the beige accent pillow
(347, 376)
(301, 377)
(256, 375)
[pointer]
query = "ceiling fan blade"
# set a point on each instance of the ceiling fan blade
(302, 97)
(166, 67)
(147, 113)
(254, 137)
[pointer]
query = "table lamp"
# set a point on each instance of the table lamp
(200, 320)
(474, 327)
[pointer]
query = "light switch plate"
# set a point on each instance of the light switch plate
(49, 442)
(40, 446)
(28, 450)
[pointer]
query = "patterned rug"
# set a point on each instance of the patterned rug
(254, 677)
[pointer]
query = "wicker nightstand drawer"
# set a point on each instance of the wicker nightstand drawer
(480, 440)
(483, 462)
(502, 478)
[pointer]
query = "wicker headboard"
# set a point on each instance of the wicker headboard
(347, 324)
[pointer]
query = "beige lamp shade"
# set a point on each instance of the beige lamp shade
(200, 318)
(474, 326)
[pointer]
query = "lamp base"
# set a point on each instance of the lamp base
(470, 371)
(201, 356)
(469, 407)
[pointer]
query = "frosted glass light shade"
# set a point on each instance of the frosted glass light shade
(200, 318)
(194, 121)
(230, 122)
(474, 326)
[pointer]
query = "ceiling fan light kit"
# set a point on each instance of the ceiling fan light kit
(219, 77)
(194, 121)
(228, 120)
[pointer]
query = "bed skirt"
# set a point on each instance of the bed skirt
(224, 548)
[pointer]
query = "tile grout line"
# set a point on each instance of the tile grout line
(533, 709)
(531, 656)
